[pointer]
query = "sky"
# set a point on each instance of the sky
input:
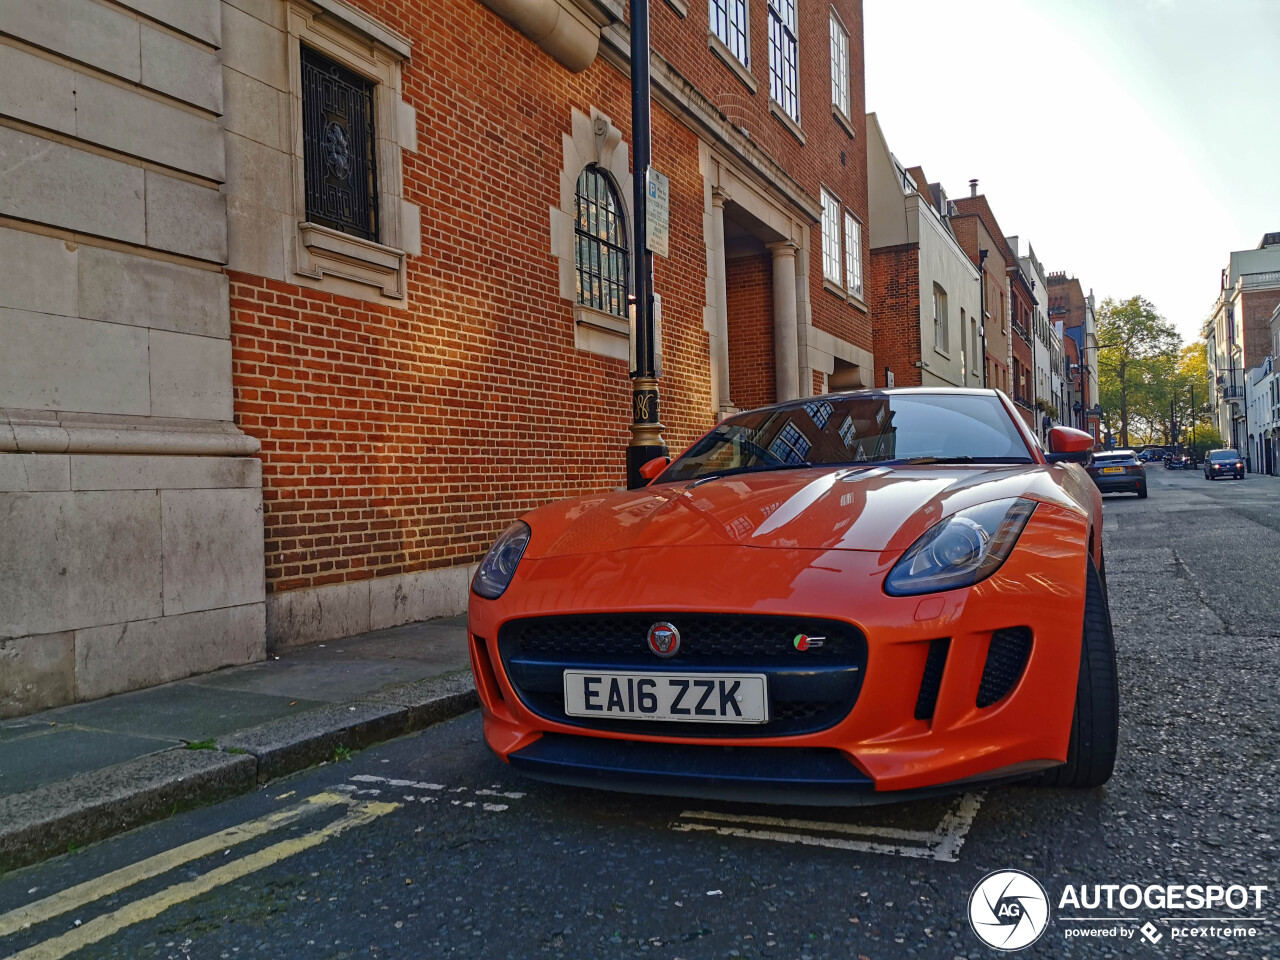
(1133, 143)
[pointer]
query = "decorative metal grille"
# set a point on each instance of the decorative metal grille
(783, 85)
(601, 235)
(338, 147)
(729, 23)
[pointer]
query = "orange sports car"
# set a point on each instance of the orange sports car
(845, 599)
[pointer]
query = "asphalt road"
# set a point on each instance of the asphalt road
(428, 847)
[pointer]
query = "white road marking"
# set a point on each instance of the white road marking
(943, 843)
(429, 798)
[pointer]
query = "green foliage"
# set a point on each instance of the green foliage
(1137, 352)
(341, 753)
(209, 744)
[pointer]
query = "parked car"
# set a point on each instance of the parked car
(784, 587)
(1179, 461)
(1151, 456)
(1223, 463)
(1118, 471)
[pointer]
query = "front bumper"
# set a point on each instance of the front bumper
(885, 742)
(1119, 483)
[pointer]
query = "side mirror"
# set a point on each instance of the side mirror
(1069, 446)
(654, 467)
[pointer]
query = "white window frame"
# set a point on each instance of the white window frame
(941, 322)
(839, 65)
(832, 257)
(853, 254)
(736, 14)
(784, 39)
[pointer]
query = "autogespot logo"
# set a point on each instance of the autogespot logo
(1009, 910)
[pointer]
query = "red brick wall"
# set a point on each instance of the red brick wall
(751, 372)
(1257, 308)
(893, 291)
(396, 439)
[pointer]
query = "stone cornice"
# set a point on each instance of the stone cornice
(49, 431)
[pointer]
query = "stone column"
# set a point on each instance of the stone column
(786, 346)
(720, 335)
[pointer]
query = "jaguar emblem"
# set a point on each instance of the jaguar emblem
(664, 639)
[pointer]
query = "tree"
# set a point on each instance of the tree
(1130, 333)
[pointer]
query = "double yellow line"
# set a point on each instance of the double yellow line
(358, 813)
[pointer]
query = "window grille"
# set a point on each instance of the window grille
(819, 412)
(338, 147)
(831, 265)
(601, 244)
(783, 84)
(839, 66)
(853, 254)
(729, 23)
(789, 445)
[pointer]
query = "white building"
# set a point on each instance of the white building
(1262, 417)
(1238, 334)
(910, 218)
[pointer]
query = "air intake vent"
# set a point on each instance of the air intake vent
(1006, 660)
(932, 682)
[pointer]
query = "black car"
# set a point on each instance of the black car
(1118, 471)
(1223, 463)
(1179, 461)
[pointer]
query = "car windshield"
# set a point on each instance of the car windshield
(1224, 455)
(855, 429)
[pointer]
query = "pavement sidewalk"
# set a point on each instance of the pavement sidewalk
(82, 772)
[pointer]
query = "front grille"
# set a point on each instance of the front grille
(1006, 660)
(809, 690)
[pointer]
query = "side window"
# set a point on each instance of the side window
(853, 254)
(600, 236)
(832, 266)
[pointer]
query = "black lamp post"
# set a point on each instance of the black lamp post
(646, 441)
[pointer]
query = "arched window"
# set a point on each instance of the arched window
(601, 251)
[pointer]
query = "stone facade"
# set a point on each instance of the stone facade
(229, 424)
(131, 548)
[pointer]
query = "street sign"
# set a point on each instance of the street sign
(658, 210)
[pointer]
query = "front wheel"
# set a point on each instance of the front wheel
(1095, 723)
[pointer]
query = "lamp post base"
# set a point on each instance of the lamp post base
(646, 432)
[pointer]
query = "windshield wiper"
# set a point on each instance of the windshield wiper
(757, 468)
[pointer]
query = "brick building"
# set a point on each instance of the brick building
(1022, 309)
(1069, 305)
(922, 288)
(979, 234)
(314, 297)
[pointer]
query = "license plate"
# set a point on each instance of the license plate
(687, 697)
(1113, 469)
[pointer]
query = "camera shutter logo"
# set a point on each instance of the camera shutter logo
(1009, 910)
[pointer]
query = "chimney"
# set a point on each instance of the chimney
(973, 187)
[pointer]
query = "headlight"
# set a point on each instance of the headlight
(966, 547)
(499, 564)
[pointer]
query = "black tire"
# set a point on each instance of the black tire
(1142, 492)
(1095, 723)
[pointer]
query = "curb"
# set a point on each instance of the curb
(46, 821)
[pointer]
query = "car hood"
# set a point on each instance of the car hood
(875, 508)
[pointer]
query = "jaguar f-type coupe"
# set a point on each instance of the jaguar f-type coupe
(844, 599)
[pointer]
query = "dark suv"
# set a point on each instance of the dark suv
(1223, 463)
(1118, 471)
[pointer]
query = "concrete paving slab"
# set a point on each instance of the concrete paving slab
(320, 681)
(183, 711)
(29, 762)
